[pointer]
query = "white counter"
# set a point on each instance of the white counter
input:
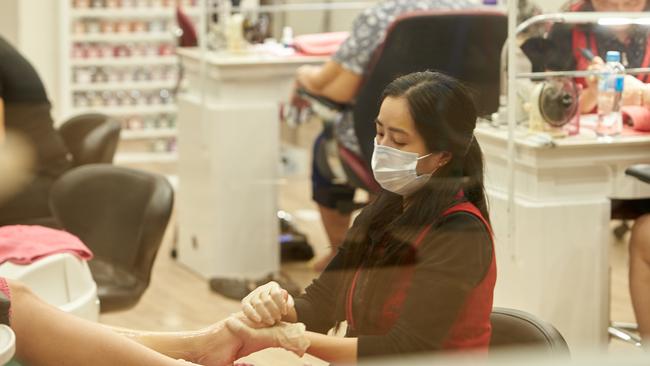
(228, 141)
(556, 265)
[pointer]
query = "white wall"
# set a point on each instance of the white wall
(550, 5)
(305, 22)
(9, 20)
(33, 27)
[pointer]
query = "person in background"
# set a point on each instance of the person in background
(631, 41)
(25, 110)
(640, 274)
(339, 79)
(416, 271)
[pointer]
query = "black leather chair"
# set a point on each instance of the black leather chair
(91, 138)
(121, 214)
(630, 209)
(465, 44)
(514, 328)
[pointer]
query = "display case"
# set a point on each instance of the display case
(119, 59)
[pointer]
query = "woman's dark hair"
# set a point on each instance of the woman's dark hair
(445, 116)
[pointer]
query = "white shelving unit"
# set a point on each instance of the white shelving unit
(148, 134)
(140, 85)
(137, 12)
(125, 61)
(127, 110)
(143, 158)
(124, 37)
(120, 61)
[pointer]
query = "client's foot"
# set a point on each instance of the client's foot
(217, 346)
(290, 336)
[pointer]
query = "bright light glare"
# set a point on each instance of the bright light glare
(642, 21)
(615, 21)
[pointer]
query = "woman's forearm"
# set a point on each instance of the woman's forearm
(333, 349)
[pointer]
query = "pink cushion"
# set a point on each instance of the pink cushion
(320, 44)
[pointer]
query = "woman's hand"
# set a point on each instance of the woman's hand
(589, 95)
(635, 92)
(597, 64)
(268, 304)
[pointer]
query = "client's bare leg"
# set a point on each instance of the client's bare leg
(48, 336)
(336, 226)
(213, 346)
(640, 275)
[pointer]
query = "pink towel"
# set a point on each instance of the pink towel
(320, 44)
(640, 117)
(24, 244)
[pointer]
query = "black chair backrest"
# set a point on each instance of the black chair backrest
(121, 214)
(464, 44)
(640, 172)
(91, 138)
(514, 328)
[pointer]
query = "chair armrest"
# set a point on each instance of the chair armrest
(640, 172)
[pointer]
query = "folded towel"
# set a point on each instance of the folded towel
(24, 244)
(320, 44)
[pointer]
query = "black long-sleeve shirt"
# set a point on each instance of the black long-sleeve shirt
(452, 259)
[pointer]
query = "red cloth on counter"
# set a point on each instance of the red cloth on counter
(25, 244)
(320, 44)
(640, 117)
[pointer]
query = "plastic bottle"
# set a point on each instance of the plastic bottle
(610, 89)
(287, 37)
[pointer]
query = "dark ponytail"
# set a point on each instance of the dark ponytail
(473, 171)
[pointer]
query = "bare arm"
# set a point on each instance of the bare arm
(330, 80)
(45, 333)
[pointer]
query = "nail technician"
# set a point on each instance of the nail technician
(416, 272)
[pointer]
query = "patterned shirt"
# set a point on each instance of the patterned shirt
(368, 31)
(369, 28)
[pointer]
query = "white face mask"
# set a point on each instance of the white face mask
(394, 170)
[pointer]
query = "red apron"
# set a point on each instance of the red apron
(579, 41)
(472, 328)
